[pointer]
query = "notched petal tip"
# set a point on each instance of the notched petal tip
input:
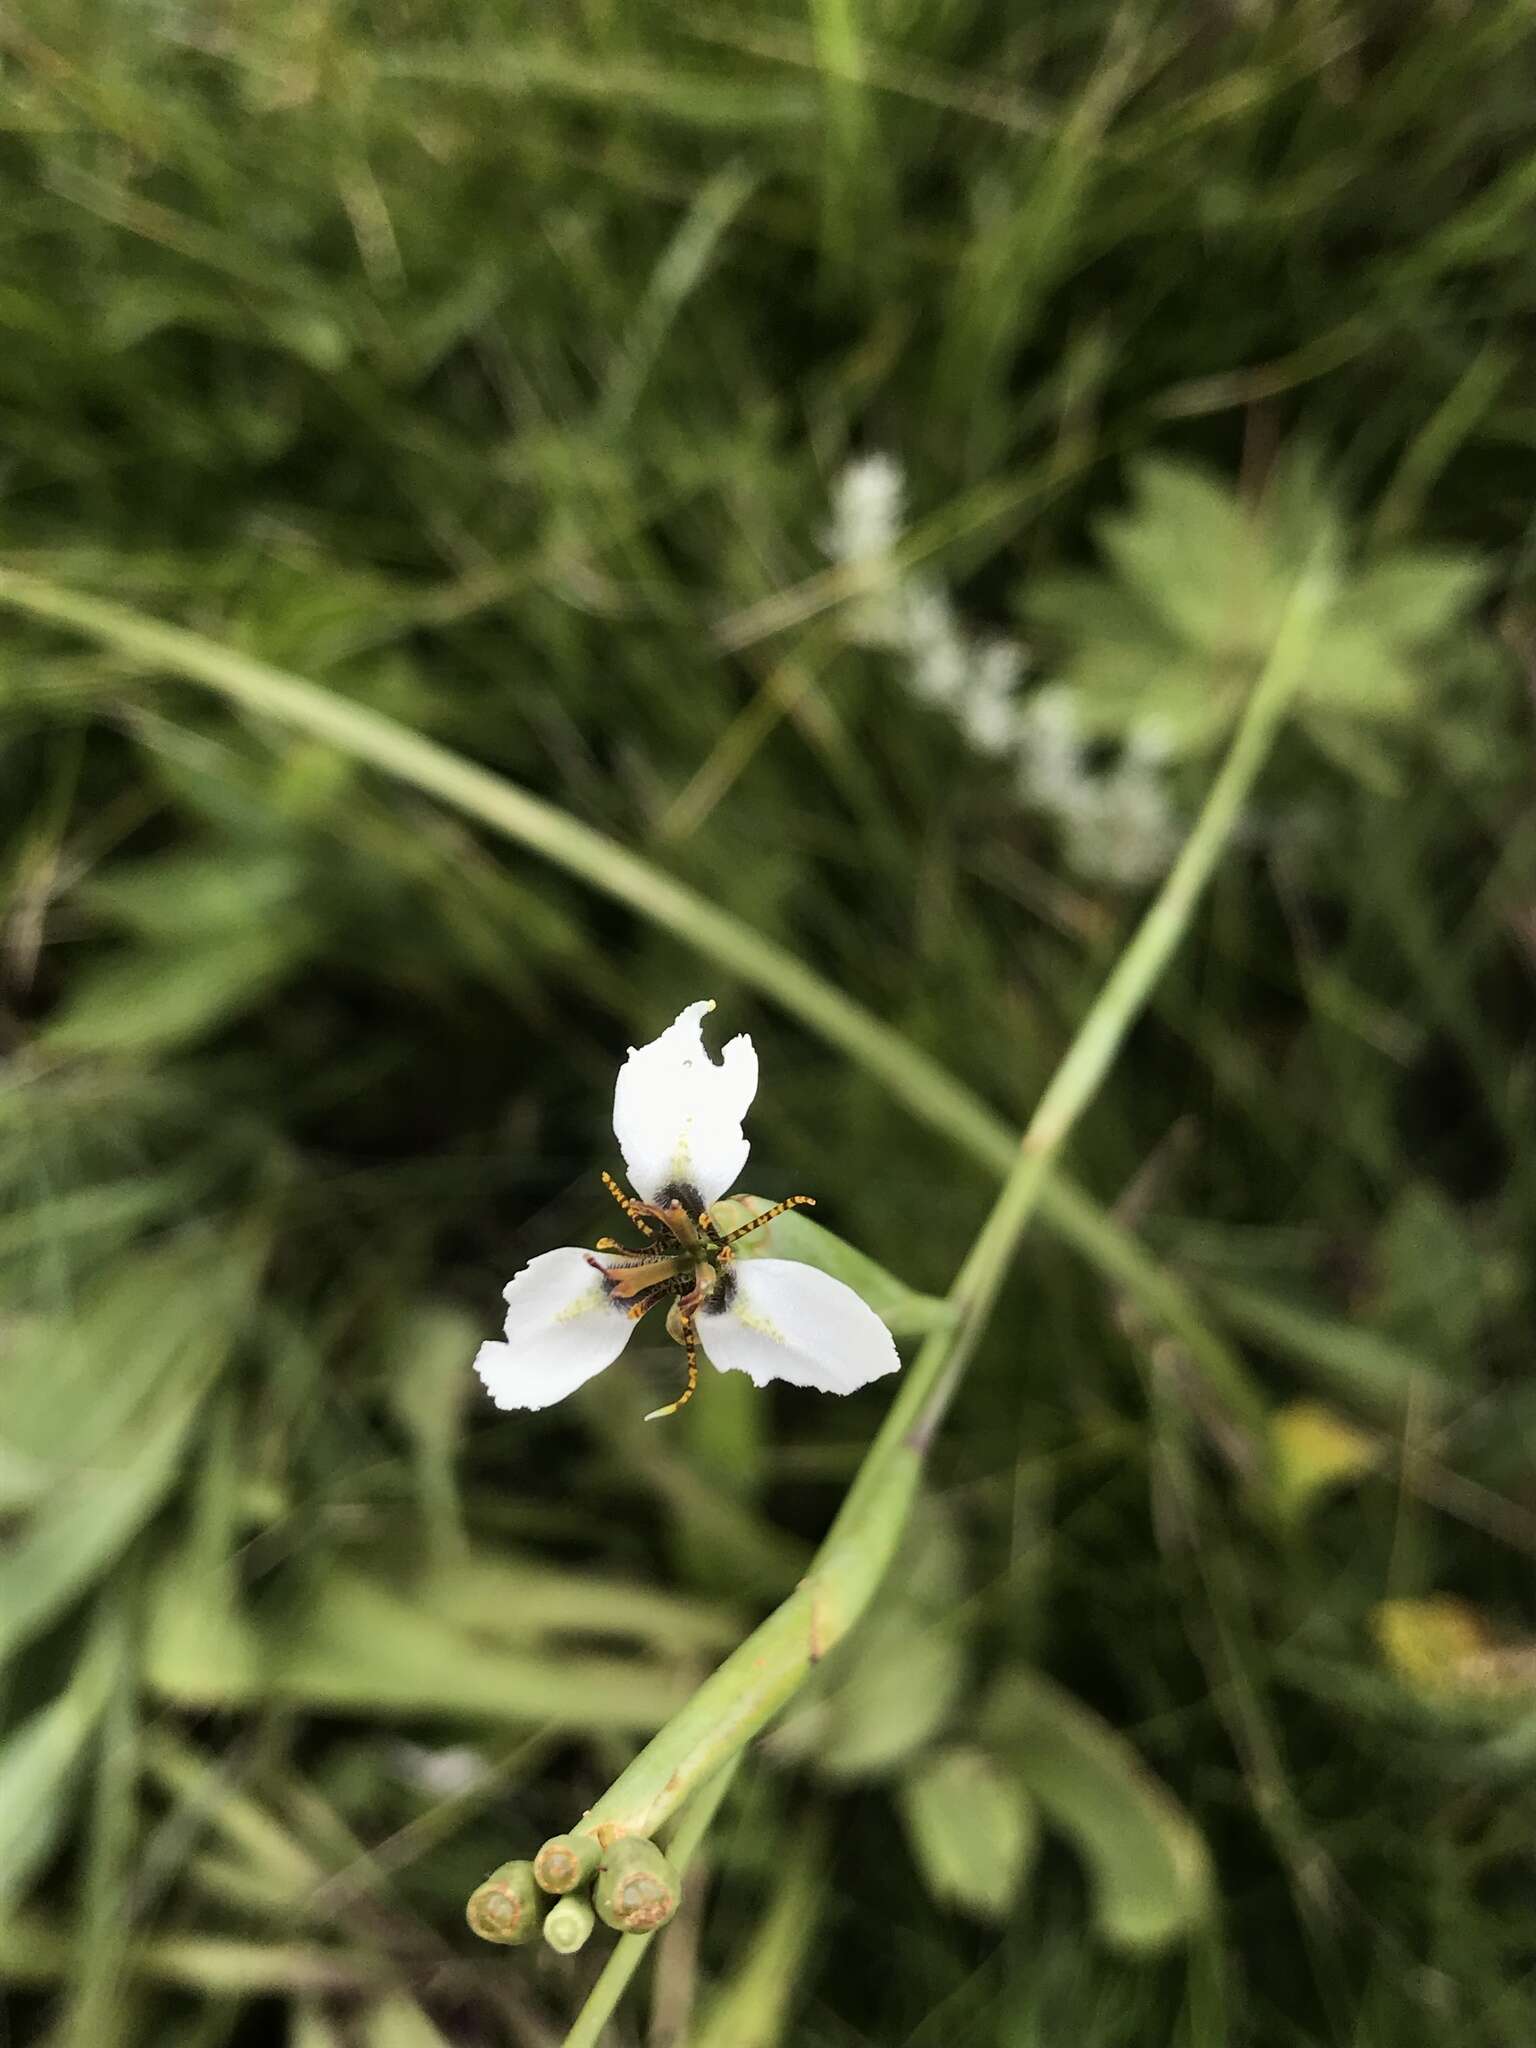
(491, 1361)
(677, 1113)
(679, 1028)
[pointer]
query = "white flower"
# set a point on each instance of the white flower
(933, 641)
(866, 525)
(440, 1773)
(989, 712)
(1120, 828)
(677, 1116)
(1051, 748)
(867, 509)
(1118, 824)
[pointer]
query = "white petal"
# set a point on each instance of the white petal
(677, 1115)
(561, 1331)
(792, 1322)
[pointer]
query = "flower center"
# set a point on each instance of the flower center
(684, 1260)
(679, 1260)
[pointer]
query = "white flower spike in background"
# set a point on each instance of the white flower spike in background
(677, 1116)
(1117, 824)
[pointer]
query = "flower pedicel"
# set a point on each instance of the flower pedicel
(677, 1116)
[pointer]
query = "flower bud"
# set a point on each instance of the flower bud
(637, 1889)
(565, 1862)
(507, 1907)
(567, 1925)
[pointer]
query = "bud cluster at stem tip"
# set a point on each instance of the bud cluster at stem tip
(635, 1889)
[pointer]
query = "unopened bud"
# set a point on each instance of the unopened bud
(507, 1907)
(637, 1889)
(567, 1925)
(566, 1862)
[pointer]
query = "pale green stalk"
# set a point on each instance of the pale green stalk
(629, 1954)
(35, 1950)
(744, 1692)
(931, 1094)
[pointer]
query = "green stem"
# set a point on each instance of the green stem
(753, 2003)
(35, 1950)
(629, 1954)
(933, 1096)
(744, 1692)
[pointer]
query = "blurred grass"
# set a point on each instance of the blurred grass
(490, 367)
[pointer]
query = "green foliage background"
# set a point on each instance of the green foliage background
(493, 366)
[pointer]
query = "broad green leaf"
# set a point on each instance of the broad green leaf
(1370, 1369)
(75, 1536)
(505, 1599)
(974, 1830)
(1447, 1652)
(1414, 596)
(1083, 607)
(397, 2022)
(154, 1000)
(112, 1210)
(1299, 512)
(1194, 698)
(73, 1387)
(891, 1686)
(1314, 1450)
(311, 2026)
(753, 2006)
(897, 1689)
(1432, 1285)
(38, 1764)
(100, 2010)
(426, 1384)
(1195, 558)
(200, 1617)
(793, 1235)
(356, 1642)
(1356, 748)
(255, 1840)
(183, 897)
(41, 1949)
(1356, 674)
(1150, 1871)
(193, 1307)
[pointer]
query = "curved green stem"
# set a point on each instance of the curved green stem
(744, 1692)
(702, 1742)
(933, 1096)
